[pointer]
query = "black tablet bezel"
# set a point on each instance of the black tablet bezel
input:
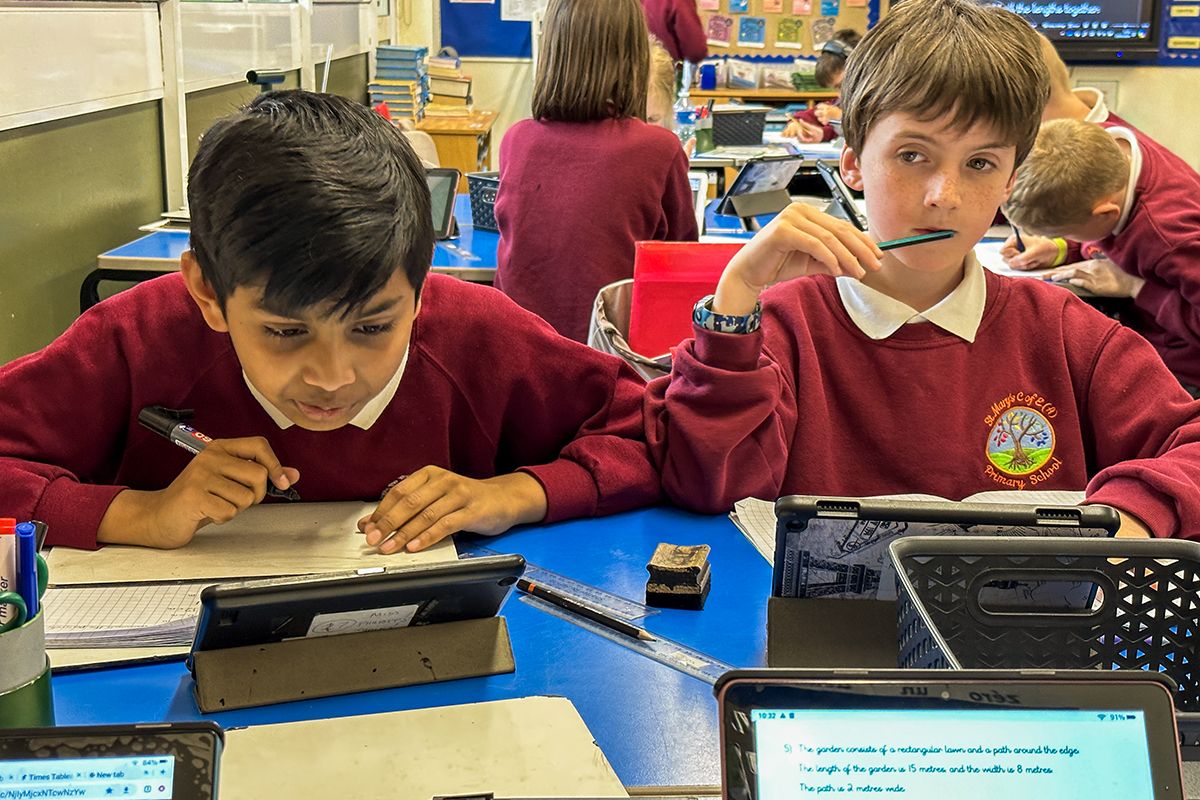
(794, 512)
(841, 195)
(196, 747)
(274, 609)
(738, 187)
(442, 228)
(740, 691)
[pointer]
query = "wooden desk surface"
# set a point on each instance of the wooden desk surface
(479, 122)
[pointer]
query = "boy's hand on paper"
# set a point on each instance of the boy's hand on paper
(434, 503)
(800, 241)
(221, 481)
(1040, 252)
(826, 112)
(1100, 276)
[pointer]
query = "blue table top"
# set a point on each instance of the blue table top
(656, 725)
(472, 249)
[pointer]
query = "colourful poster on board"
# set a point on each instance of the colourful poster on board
(772, 7)
(739, 6)
(829, 8)
(790, 33)
(822, 31)
(752, 32)
(710, 5)
(720, 30)
(802, 7)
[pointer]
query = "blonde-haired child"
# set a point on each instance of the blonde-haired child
(587, 176)
(1140, 205)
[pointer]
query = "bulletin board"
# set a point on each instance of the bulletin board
(781, 28)
(479, 29)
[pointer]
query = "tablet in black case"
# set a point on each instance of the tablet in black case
(165, 761)
(838, 546)
(272, 610)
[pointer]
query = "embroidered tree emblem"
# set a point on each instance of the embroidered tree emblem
(1020, 441)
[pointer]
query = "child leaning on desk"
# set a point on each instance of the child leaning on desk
(587, 177)
(1137, 203)
(813, 124)
(1065, 102)
(307, 336)
(863, 373)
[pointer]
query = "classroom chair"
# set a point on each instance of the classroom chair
(609, 327)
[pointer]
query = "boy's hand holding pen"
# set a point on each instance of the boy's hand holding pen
(1025, 252)
(802, 241)
(225, 477)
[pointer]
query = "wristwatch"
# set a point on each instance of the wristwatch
(706, 318)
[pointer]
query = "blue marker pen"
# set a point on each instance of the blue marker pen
(27, 567)
(1020, 244)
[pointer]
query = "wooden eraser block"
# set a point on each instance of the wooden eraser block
(680, 576)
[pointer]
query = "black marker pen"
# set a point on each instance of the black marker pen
(170, 424)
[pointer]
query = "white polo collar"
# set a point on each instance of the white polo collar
(1135, 172)
(879, 316)
(1099, 107)
(364, 419)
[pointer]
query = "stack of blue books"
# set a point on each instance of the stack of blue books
(401, 80)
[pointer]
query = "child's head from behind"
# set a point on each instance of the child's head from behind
(1056, 72)
(594, 63)
(660, 93)
(311, 236)
(831, 63)
(1072, 184)
(941, 101)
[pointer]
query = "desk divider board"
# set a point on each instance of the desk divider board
(301, 669)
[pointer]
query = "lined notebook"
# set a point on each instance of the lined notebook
(122, 615)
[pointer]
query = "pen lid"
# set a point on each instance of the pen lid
(8, 525)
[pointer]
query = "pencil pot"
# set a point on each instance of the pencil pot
(25, 697)
(482, 187)
(1051, 603)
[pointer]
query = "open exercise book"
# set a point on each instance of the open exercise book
(756, 518)
(121, 596)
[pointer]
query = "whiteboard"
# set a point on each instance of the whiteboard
(63, 60)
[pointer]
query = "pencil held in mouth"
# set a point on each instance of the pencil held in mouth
(905, 241)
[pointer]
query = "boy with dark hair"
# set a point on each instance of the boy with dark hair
(306, 335)
(814, 124)
(915, 370)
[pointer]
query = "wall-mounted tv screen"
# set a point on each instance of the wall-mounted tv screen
(1095, 30)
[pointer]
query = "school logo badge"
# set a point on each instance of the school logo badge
(1021, 441)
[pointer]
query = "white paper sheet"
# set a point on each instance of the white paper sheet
(263, 541)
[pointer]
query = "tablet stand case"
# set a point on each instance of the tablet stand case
(297, 669)
(831, 632)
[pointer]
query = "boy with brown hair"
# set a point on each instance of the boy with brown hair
(915, 370)
(1140, 205)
